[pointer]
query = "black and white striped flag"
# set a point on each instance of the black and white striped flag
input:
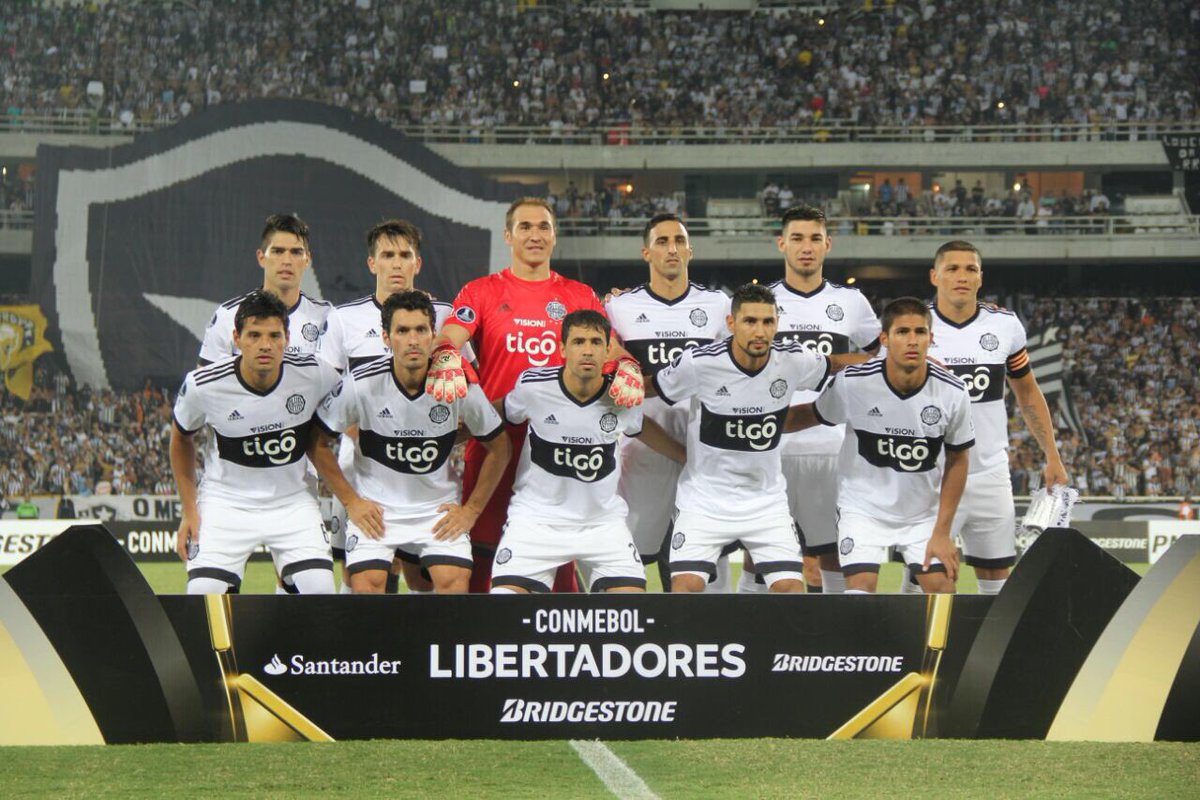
(1046, 361)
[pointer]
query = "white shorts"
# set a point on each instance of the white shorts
(294, 534)
(414, 535)
(530, 552)
(648, 483)
(812, 498)
(986, 520)
(697, 541)
(863, 543)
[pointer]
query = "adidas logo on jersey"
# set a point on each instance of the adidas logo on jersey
(385, 414)
(234, 416)
(505, 308)
(875, 412)
(722, 392)
(642, 318)
(371, 334)
(551, 420)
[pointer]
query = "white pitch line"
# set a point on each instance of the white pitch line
(616, 774)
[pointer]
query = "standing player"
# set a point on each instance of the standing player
(354, 338)
(656, 322)
(831, 319)
(284, 255)
(732, 486)
(983, 345)
(258, 406)
(405, 495)
(513, 319)
(565, 506)
(900, 412)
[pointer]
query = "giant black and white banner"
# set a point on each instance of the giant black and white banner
(134, 246)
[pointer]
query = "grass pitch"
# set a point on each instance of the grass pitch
(741, 768)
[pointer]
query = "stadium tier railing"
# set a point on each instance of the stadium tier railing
(16, 220)
(82, 122)
(1181, 226)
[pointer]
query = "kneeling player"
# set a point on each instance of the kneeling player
(900, 412)
(259, 405)
(405, 437)
(565, 505)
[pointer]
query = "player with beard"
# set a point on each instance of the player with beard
(257, 407)
(831, 319)
(513, 319)
(656, 322)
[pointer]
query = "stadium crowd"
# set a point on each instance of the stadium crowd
(594, 65)
(1139, 426)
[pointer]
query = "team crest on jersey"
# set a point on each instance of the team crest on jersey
(835, 312)
(503, 555)
(931, 415)
(351, 542)
(677, 540)
(465, 314)
(608, 423)
(555, 310)
(310, 332)
(295, 404)
(846, 546)
(439, 414)
(698, 317)
(989, 341)
(778, 388)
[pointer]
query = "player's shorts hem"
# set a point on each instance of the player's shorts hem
(410, 558)
(767, 567)
(707, 567)
(855, 569)
(818, 549)
(530, 585)
(305, 564)
(919, 569)
(990, 563)
(217, 573)
(367, 566)
(446, 561)
(604, 584)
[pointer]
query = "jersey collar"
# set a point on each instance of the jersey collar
(813, 293)
(900, 394)
(400, 387)
(237, 370)
(664, 300)
(581, 403)
(749, 373)
(952, 323)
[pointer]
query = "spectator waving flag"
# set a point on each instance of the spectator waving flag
(1046, 360)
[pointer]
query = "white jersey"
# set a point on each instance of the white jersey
(355, 332)
(982, 351)
(655, 331)
(404, 441)
(568, 470)
(889, 466)
(307, 323)
(255, 455)
(735, 422)
(833, 320)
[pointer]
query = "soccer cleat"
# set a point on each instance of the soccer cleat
(447, 379)
(628, 389)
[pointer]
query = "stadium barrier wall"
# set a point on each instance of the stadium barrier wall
(1076, 646)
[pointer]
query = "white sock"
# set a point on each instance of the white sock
(503, 590)
(908, 585)
(345, 588)
(313, 581)
(856, 591)
(207, 586)
(991, 587)
(418, 591)
(747, 584)
(723, 584)
(281, 589)
(832, 582)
